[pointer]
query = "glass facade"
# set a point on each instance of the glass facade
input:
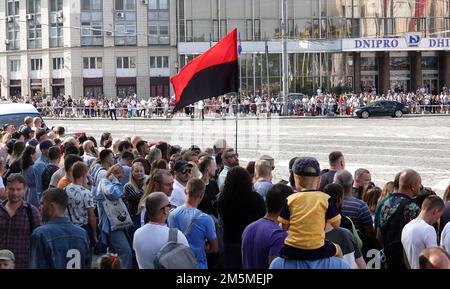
(313, 19)
(260, 20)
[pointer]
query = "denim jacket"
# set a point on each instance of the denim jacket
(59, 245)
(113, 190)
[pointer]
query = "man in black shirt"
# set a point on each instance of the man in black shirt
(208, 167)
(54, 158)
(208, 205)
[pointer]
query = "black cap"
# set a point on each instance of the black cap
(181, 165)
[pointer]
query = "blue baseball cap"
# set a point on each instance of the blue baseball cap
(307, 167)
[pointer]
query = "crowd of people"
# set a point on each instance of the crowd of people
(247, 104)
(139, 204)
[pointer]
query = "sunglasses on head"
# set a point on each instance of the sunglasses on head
(236, 155)
(185, 171)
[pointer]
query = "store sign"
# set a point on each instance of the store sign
(409, 42)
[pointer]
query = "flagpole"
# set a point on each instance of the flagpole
(238, 94)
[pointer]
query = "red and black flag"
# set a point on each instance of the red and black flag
(214, 73)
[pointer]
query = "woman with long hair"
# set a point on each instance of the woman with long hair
(387, 190)
(117, 240)
(29, 157)
(13, 161)
(159, 181)
(238, 206)
(133, 192)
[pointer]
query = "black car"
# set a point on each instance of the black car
(382, 108)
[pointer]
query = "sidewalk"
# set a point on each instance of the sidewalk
(209, 118)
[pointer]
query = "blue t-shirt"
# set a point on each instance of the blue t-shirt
(325, 263)
(262, 187)
(202, 230)
(260, 240)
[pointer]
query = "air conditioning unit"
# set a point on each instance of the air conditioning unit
(7, 41)
(120, 15)
(30, 16)
(145, 2)
(9, 19)
(109, 33)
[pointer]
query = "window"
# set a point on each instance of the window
(92, 63)
(34, 24)
(125, 22)
(125, 33)
(36, 64)
(13, 7)
(15, 65)
(91, 23)
(12, 27)
(159, 62)
(124, 5)
(126, 62)
(158, 24)
(56, 24)
(57, 5)
(58, 63)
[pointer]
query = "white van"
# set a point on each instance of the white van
(15, 113)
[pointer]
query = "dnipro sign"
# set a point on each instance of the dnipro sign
(410, 42)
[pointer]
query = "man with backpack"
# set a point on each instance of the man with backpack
(153, 236)
(17, 214)
(196, 225)
(396, 212)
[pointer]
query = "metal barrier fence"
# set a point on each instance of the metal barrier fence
(220, 110)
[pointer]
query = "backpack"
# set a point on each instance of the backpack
(391, 233)
(174, 255)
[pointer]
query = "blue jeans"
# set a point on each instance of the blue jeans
(118, 243)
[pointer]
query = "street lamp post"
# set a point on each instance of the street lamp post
(284, 57)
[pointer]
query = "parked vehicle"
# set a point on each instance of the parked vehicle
(382, 108)
(14, 113)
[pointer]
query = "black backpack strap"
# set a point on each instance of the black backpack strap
(30, 217)
(173, 235)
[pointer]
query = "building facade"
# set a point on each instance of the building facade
(87, 48)
(321, 34)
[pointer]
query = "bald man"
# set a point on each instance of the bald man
(395, 214)
(434, 258)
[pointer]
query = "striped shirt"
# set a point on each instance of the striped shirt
(357, 211)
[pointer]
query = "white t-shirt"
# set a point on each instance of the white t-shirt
(178, 196)
(445, 237)
(148, 240)
(417, 235)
